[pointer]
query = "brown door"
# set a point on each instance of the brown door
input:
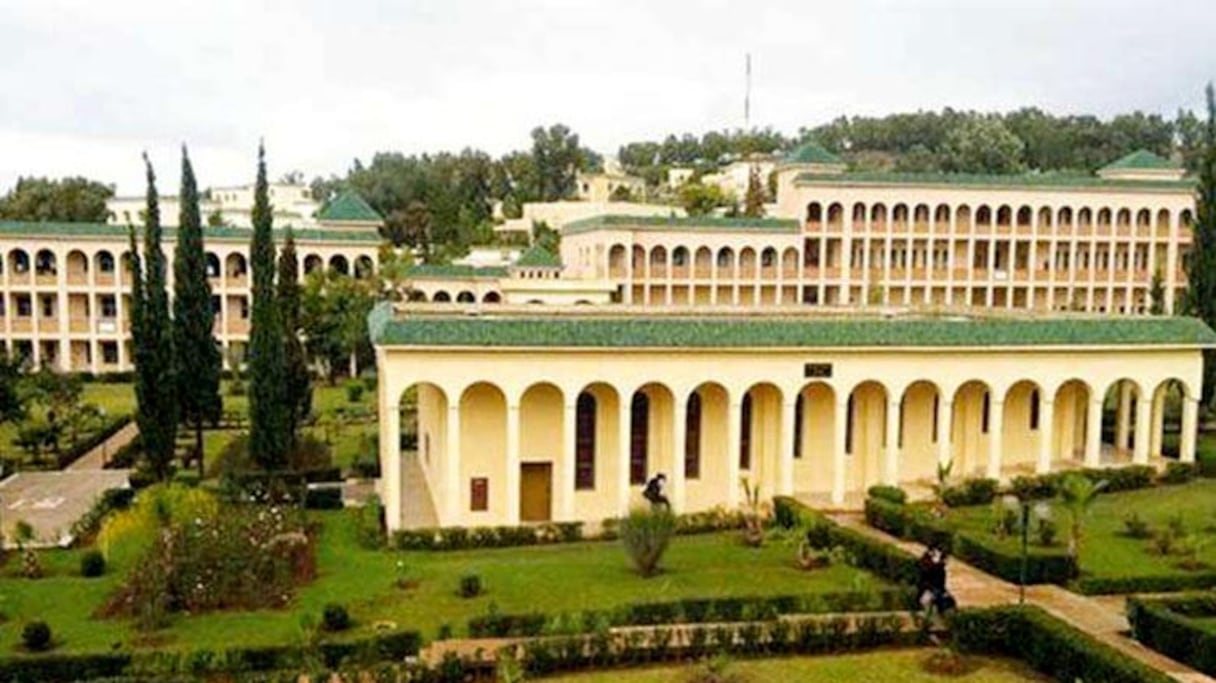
(535, 491)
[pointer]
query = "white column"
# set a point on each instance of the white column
(890, 470)
(945, 428)
(565, 485)
(1190, 423)
(511, 481)
(1047, 423)
(678, 436)
(839, 458)
(1143, 418)
(1157, 428)
(390, 466)
(1093, 433)
(785, 453)
(625, 432)
(1123, 416)
(450, 513)
(996, 421)
(734, 436)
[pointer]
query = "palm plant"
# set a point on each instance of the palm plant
(943, 481)
(753, 515)
(646, 533)
(1077, 494)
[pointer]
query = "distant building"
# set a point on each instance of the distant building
(557, 214)
(234, 206)
(606, 187)
(677, 176)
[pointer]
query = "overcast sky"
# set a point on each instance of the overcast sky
(88, 84)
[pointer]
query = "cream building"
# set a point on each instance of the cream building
(559, 413)
(292, 202)
(604, 187)
(65, 287)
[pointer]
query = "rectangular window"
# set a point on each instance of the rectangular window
(745, 434)
(479, 494)
(584, 442)
(799, 407)
(936, 406)
(848, 427)
(1034, 409)
(109, 353)
(984, 418)
(639, 427)
(109, 306)
(692, 438)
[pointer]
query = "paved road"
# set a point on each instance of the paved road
(51, 502)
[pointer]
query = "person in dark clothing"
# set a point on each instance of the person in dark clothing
(655, 491)
(931, 581)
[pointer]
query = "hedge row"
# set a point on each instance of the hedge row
(1129, 478)
(1163, 625)
(1048, 645)
(1151, 583)
(57, 668)
(869, 553)
(77, 451)
(691, 611)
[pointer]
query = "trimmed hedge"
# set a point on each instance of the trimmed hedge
(1151, 583)
(1048, 645)
(461, 538)
(971, 492)
(1164, 625)
(868, 553)
(1128, 478)
(691, 611)
(893, 494)
(327, 497)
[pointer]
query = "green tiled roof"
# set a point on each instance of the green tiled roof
(812, 153)
(1024, 180)
(537, 256)
(683, 223)
(220, 234)
(782, 332)
(437, 271)
(349, 207)
(1139, 160)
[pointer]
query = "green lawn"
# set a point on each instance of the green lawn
(112, 398)
(551, 579)
(1105, 551)
(904, 666)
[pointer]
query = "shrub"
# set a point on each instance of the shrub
(646, 533)
(470, 586)
(1038, 487)
(892, 494)
(1134, 526)
(92, 564)
(1042, 566)
(971, 492)
(323, 497)
(367, 462)
(1179, 473)
(1157, 583)
(36, 636)
(354, 392)
(236, 387)
(110, 500)
(887, 516)
(334, 617)
(1127, 478)
(1046, 532)
(1165, 626)
(369, 530)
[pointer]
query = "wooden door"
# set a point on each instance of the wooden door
(535, 492)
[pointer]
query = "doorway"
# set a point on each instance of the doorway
(535, 492)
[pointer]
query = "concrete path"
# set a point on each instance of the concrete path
(97, 458)
(417, 508)
(1102, 618)
(51, 502)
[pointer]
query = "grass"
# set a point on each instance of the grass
(550, 579)
(1105, 550)
(905, 666)
(112, 398)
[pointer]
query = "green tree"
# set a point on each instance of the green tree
(269, 412)
(152, 336)
(753, 201)
(556, 157)
(1077, 495)
(700, 200)
(1201, 274)
(982, 145)
(334, 310)
(1156, 294)
(198, 357)
(70, 199)
(299, 384)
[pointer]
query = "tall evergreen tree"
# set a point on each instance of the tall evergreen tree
(269, 415)
(299, 386)
(198, 358)
(753, 201)
(1201, 275)
(155, 383)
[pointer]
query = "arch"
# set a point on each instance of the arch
(920, 215)
(726, 259)
(1123, 218)
(1070, 414)
(768, 258)
(1044, 218)
(1144, 218)
(704, 261)
(814, 438)
(706, 418)
(679, 256)
(596, 444)
(45, 263)
(941, 214)
(1185, 218)
(417, 295)
(962, 218)
(441, 297)
(865, 435)
(1064, 217)
(899, 217)
(423, 408)
(789, 262)
(918, 432)
(878, 215)
(483, 448)
(650, 432)
(364, 267)
(211, 263)
(339, 264)
(1004, 216)
(1085, 217)
(1021, 424)
(1166, 421)
(747, 262)
(760, 435)
(859, 213)
(18, 261)
(983, 216)
(77, 264)
(1120, 403)
(235, 265)
(466, 297)
(1104, 217)
(969, 429)
(639, 258)
(835, 215)
(1163, 221)
(616, 260)
(814, 212)
(492, 298)
(658, 256)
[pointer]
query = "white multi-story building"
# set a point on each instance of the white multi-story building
(293, 204)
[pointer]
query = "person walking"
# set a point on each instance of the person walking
(656, 492)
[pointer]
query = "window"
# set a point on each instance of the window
(584, 442)
(936, 406)
(479, 494)
(639, 425)
(109, 306)
(984, 418)
(848, 427)
(105, 262)
(799, 407)
(1034, 409)
(745, 433)
(47, 305)
(692, 437)
(109, 353)
(24, 307)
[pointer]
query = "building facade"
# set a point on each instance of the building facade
(293, 204)
(65, 288)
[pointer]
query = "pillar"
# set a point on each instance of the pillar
(1093, 432)
(945, 416)
(785, 465)
(390, 465)
(565, 474)
(1157, 428)
(449, 515)
(734, 437)
(890, 469)
(1190, 424)
(839, 457)
(1140, 437)
(678, 437)
(996, 427)
(511, 482)
(1123, 415)
(622, 474)
(1047, 425)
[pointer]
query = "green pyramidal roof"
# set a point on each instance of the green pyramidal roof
(812, 153)
(538, 257)
(349, 207)
(1141, 159)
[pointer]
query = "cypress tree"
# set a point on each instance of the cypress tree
(299, 386)
(269, 421)
(198, 359)
(1201, 273)
(155, 383)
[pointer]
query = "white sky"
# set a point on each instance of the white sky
(89, 84)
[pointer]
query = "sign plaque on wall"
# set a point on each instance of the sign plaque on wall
(817, 370)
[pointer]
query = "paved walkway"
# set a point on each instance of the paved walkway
(1101, 617)
(97, 458)
(417, 508)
